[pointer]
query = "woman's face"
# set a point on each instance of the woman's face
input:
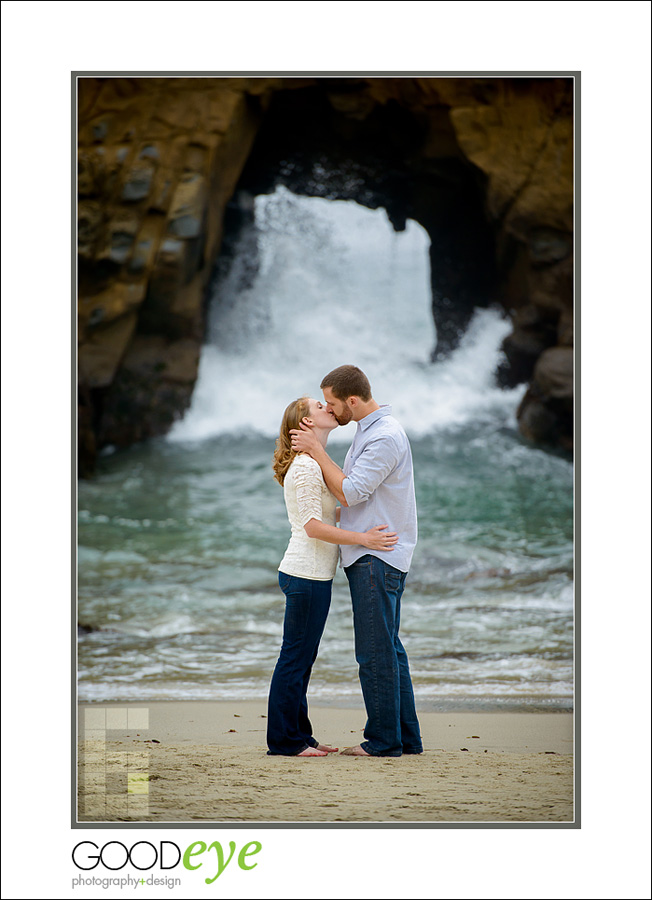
(320, 416)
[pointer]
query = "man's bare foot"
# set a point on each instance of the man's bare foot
(312, 751)
(327, 748)
(355, 751)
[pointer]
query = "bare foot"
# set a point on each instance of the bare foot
(327, 748)
(355, 751)
(312, 751)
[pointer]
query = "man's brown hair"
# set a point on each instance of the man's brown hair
(347, 381)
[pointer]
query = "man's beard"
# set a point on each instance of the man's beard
(345, 416)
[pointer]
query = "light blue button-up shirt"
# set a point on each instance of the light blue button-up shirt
(379, 488)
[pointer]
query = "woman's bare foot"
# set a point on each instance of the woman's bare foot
(312, 751)
(327, 748)
(355, 751)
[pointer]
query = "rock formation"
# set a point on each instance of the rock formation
(485, 165)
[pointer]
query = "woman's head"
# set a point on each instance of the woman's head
(314, 414)
(284, 454)
(294, 413)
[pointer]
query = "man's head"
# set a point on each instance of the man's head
(346, 392)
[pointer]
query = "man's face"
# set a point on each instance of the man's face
(339, 408)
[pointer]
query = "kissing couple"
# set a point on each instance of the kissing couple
(366, 515)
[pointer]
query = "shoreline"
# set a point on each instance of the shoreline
(188, 761)
(350, 702)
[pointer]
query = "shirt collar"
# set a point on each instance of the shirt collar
(385, 410)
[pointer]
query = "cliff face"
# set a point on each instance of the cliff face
(158, 161)
(160, 158)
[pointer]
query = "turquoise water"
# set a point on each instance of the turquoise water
(180, 538)
(179, 547)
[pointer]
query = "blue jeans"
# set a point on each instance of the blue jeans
(392, 726)
(306, 608)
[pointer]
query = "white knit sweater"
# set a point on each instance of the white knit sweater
(307, 497)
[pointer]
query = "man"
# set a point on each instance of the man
(375, 487)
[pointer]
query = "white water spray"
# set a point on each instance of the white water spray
(337, 285)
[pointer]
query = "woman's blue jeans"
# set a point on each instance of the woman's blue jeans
(392, 726)
(306, 608)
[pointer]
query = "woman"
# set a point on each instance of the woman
(306, 577)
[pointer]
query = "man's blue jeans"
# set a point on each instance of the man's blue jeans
(392, 726)
(306, 608)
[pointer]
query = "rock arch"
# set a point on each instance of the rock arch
(485, 165)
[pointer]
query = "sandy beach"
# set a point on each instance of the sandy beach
(206, 761)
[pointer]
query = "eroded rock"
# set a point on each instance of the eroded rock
(160, 158)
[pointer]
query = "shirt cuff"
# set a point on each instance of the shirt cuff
(350, 493)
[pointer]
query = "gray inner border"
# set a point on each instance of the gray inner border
(576, 76)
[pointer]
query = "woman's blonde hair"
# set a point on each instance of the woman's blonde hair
(284, 454)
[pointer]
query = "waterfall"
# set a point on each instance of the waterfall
(333, 283)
